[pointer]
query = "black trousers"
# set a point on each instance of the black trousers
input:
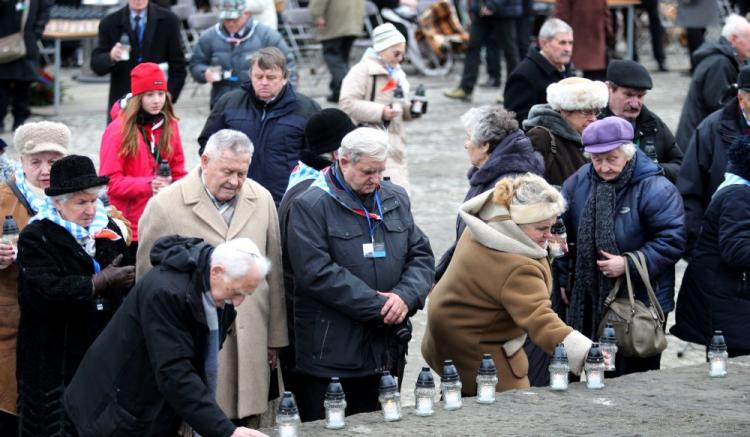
(15, 93)
(503, 31)
(361, 395)
(695, 37)
(336, 55)
(655, 29)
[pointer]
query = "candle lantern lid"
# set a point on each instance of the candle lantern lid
(9, 225)
(334, 391)
(287, 405)
(608, 334)
(718, 339)
(560, 353)
(487, 367)
(425, 379)
(387, 382)
(595, 354)
(450, 374)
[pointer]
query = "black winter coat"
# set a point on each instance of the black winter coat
(58, 322)
(716, 69)
(338, 327)
(499, 8)
(276, 130)
(528, 82)
(651, 131)
(705, 162)
(10, 22)
(161, 43)
(715, 292)
(145, 372)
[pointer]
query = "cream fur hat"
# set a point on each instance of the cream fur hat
(386, 35)
(576, 93)
(42, 136)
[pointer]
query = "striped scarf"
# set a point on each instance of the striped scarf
(731, 179)
(301, 172)
(36, 202)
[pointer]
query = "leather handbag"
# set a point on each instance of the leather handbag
(639, 327)
(13, 47)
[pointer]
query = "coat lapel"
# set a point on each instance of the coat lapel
(194, 194)
(244, 211)
(148, 34)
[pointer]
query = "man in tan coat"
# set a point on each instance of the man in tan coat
(216, 202)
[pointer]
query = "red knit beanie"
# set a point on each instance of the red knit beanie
(147, 77)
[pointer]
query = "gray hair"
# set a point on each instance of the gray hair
(552, 27)
(733, 25)
(489, 124)
(529, 190)
(628, 149)
(365, 142)
(237, 256)
(228, 139)
(62, 198)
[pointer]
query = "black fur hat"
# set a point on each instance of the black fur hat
(71, 174)
(739, 157)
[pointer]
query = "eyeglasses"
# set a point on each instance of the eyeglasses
(588, 112)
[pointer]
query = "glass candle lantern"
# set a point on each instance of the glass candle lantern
(559, 369)
(450, 386)
(486, 380)
(595, 368)
(608, 343)
(717, 356)
(558, 240)
(287, 417)
(424, 393)
(335, 405)
(389, 398)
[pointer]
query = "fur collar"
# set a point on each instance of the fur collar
(543, 115)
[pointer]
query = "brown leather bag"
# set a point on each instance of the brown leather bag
(13, 47)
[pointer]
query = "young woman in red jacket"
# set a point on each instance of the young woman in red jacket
(143, 133)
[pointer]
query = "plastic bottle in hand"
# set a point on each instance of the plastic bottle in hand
(217, 73)
(10, 232)
(125, 43)
(164, 172)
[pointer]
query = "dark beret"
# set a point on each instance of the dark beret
(629, 74)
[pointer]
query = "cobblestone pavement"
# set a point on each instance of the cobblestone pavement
(437, 161)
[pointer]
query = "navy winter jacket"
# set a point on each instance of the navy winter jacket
(276, 129)
(648, 217)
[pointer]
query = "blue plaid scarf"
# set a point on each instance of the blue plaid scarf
(36, 202)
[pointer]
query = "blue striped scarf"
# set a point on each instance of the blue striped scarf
(36, 202)
(731, 179)
(301, 172)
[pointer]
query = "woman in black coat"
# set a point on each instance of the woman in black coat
(715, 293)
(70, 282)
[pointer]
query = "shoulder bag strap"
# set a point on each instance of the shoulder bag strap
(640, 264)
(12, 185)
(25, 15)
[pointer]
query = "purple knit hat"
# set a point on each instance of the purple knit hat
(606, 134)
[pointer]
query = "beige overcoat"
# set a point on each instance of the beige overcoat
(184, 208)
(363, 105)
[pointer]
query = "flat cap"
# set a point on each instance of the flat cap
(629, 74)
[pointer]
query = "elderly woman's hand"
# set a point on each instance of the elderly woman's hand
(613, 266)
(7, 255)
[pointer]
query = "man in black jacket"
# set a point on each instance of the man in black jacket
(153, 34)
(628, 83)
(156, 363)
(542, 66)
(361, 268)
(705, 160)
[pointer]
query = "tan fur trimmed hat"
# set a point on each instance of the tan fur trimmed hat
(577, 93)
(42, 136)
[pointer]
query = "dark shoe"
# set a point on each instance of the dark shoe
(491, 83)
(458, 93)
(332, 99)
(663, 67)
(17, 122)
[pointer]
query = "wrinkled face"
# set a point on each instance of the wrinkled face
(153, 101)
(744, 100)
(393, 55)
(137, 5)
(236, 24)
(225, 174)
(539, 232)
(80, 208)
(225, 290)
(363, 177)
(741, 43)
(36, 167)
(478, 154)
(581, 118)
(559, 49)
(267, 83)
(609, 165)
(626, 102)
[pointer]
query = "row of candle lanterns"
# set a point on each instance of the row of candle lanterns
(600, 358)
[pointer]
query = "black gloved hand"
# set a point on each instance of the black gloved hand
(114, 276)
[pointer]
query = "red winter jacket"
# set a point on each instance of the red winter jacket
(130, 178)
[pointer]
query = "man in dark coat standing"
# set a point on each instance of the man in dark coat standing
(156, 363)
(361, 267)
(705, 159)
(153, 34)
(716, 67)
(272, 114)
(628, 83)
(542, 66)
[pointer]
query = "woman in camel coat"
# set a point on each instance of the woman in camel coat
(496, 289)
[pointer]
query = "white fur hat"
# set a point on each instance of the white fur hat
(42, 136)
(576, 93)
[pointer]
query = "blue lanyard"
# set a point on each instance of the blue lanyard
(372, 227)
(97, 267)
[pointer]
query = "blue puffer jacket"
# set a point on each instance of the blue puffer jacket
(235, 59)
(276, 129)
(500, 8)
(649, 218)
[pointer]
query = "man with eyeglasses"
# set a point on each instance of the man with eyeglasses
(628, 83)
(217, 202)
(555, 127)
